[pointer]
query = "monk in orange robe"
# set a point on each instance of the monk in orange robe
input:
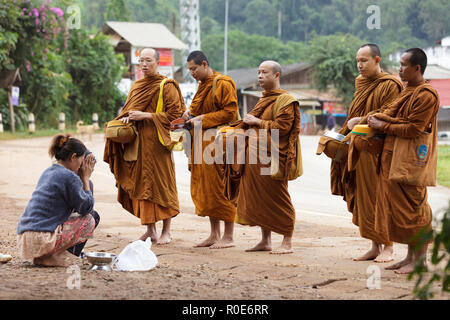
(210, 110)
(358, 185)
(262, 200)
(147, 186)
(402, 210)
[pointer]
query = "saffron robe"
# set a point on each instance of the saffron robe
(403, 210)
(358, 185)
(147, 186)
(263, 201)
(207, 185)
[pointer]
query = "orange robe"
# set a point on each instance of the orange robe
(147, 186)
(207, 185)
(358, 185)
(263, 201)
(403, 210)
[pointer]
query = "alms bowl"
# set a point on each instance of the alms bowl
(100, 259)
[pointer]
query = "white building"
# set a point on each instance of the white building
(438, 55)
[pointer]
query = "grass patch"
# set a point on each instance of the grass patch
(38, 133)
(443, 165)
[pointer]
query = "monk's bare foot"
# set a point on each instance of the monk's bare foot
(223, 243)
(282, 250)
(164, 239)
(385, 256)
(369, 255)
(146, 235)
(208, 242)
(262, 246)
(408, 268)
(399, 265)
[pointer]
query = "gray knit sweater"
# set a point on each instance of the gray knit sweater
(59, 192)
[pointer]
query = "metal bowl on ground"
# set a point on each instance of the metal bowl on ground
(100, 260)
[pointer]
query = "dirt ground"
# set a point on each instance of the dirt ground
(320, 268)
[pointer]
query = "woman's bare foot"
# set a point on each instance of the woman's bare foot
(223, 243)
(54, 260)
(262, 246)
(164, 239)
(385, 255)
(208, 242)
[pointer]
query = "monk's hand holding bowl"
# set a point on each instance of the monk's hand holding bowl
(139, 115)
(251, 120)
(186, 115)
(353, 122)
(194, 121)
(375, 122)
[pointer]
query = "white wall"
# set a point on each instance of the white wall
(436, 55)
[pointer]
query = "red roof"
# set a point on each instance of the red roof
(442, 86)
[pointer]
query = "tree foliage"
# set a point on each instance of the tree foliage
(440, 260)
(256, 49)
(116, 10)
(62, 70)
(332, 59)
(95, 71)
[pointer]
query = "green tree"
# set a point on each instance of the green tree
(436, 23)
(261, 18)
(95, 70)
(257, 49)
(92, 13)
(156, 11)
(9, 25)
(209, 26)
(332, 59)
(440, 260)
(37, 28)
(116, 10)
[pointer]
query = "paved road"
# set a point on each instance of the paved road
(22, 162)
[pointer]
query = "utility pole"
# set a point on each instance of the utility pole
(279, 24)
(190, 32)
(225, 46)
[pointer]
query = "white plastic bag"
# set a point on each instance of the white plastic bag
(136, 256)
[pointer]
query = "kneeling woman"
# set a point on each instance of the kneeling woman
(47, 228)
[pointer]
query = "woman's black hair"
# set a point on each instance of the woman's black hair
(63, 146)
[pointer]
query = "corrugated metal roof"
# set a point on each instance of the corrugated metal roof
(143, 35)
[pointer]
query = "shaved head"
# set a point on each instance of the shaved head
(274, 66)
(269, 73)
(152, 51)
